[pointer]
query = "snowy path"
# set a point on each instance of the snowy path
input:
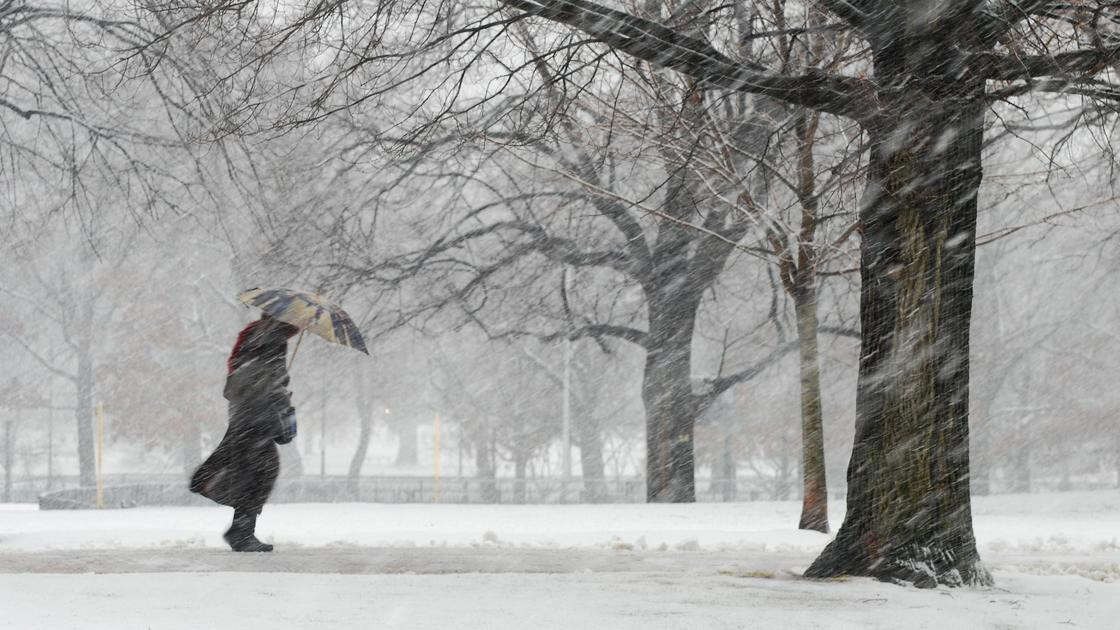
(614, 601)
(401, 560)
(646, 567)
(352, 560)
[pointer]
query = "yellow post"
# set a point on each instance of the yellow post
(437, 458)
(100, 454)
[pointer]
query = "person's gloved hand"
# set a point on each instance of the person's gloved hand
(287, 431)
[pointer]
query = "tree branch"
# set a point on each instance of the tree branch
(595, 331)
(717, 386)
(854, 12)
(838, 331)
(665, 47)
(43, 362)
(1079, 63)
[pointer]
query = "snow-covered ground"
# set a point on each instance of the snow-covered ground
(1056, 558)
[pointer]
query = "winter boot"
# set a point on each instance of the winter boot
(240, 534)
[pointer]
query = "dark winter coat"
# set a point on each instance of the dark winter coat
(240, 473)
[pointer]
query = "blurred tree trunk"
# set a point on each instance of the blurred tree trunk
(798, 263)
(814, 504)
(591, 460)
(1024, 442)
(360, 451)
(365, 417)
(485, 470)
(589, 435)
(1116, 453)
(909, 513)
(190, 451)
(980, 452)
(1066, 482)
(783, 480)
(520, 459)
(50, 440)
(670, 419)
(728, 473)
(83, 411)
(9, 447)
(408, 449)
(1021, 467)
(671, 408)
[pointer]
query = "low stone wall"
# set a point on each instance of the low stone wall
(122, 496)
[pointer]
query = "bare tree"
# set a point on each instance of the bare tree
(934, 70)
(908, 508)
(91, 102)
(68, 298)
(671, 250)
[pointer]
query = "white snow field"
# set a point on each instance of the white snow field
(1056, 558)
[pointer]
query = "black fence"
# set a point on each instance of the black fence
(139, 490)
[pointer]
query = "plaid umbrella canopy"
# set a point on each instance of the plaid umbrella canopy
(308, 312)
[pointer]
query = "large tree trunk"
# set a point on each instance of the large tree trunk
(814, 504)
(909, 511)
(670, 405)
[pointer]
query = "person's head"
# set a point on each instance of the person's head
(273, 330)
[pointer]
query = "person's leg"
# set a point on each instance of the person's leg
(241, 535)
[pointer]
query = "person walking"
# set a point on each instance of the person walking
(243, 468)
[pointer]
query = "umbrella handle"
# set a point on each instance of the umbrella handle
(298, 341)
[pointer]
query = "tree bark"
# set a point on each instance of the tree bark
(909, 507)
(670, 406)
(814, 503)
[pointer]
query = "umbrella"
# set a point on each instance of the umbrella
(308, 312)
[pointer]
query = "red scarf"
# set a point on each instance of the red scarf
(242, 337)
